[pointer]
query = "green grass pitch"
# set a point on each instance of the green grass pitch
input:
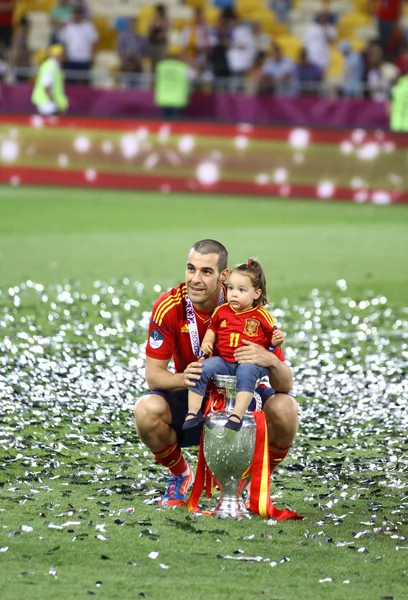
(79, 270)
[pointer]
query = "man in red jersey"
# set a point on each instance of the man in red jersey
(6, 23)
(388, 14)
(179, 320)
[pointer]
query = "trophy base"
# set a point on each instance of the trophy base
(231, 506)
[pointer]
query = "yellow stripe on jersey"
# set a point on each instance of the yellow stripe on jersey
(165, 306)
(167, 310)
(267, 315)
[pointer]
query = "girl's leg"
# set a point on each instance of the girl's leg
(247, 375)
(196, 394)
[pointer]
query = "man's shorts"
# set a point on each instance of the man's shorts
(178, 403)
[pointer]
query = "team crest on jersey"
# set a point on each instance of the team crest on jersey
(223, 323)
(155, 339)
(185, 328)
(251, 327)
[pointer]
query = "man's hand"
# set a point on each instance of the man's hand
(253, 353)
(192, 372)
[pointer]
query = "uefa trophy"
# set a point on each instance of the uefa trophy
(228, 453)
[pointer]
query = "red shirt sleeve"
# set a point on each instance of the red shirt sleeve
(278, 352)
(268, 329)
(214, 324)
(267, 326)
(161, 338)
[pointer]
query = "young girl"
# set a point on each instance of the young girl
(242, 317)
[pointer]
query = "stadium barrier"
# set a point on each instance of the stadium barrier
(350, 164)
(309, 110)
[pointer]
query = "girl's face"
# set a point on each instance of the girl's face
(241, 292)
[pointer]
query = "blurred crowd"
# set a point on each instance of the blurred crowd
(232, 54)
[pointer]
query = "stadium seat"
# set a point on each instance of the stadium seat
(40, 30)
(146, 15)
(349, 22)
(357, 43)
(195, 3)
(107, 34)
(247, 8)
(361, 5)
(290, 45)
(211, 15)
(336, 66)
(181, 16)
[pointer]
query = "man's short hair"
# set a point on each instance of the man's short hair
(213, 247)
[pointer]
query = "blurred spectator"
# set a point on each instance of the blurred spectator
(388, 14)
(380, 75)
(308, 75)
(3, 67)
(402, 60)
(48, 94)
(195, 41)
(6, 22)
(242, 50)
(254, 76)
(278, 75)
(352, 79)
(172, 86)
(263, 41)
(220, 39)
(86, 6)
(79, 38)
(61, 14)
(20, 55)
(158, 36)
(131, 48)
(282, 9)
(317, 39)
(399, 105)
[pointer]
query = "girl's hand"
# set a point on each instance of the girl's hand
(277, 338)
(207, 347)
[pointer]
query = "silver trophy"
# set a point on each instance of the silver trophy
(229, 453)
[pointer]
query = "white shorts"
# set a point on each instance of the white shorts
(50, 108)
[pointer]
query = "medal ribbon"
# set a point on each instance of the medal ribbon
(192, 324)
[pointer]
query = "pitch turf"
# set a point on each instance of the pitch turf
(58, 234)
(77, 490)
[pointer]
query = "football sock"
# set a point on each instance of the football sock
(276, 455)
(172, 458)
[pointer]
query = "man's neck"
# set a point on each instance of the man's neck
(210, 305)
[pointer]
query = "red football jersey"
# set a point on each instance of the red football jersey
(231, 327)
(389, 10)
(169, 335)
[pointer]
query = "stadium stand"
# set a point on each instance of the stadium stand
(352, 18)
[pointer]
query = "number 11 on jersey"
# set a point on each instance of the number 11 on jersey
(234, 339)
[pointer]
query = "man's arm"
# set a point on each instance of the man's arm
(280, 375)
(158, 377)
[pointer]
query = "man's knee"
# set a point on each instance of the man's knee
(149, 410)
(282, 407)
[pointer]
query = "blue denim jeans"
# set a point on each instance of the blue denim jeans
(247, 374)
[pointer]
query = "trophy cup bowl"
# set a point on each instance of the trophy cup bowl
(228, 453)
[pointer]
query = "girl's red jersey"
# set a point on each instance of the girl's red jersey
(169, 335)
(231, 327)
